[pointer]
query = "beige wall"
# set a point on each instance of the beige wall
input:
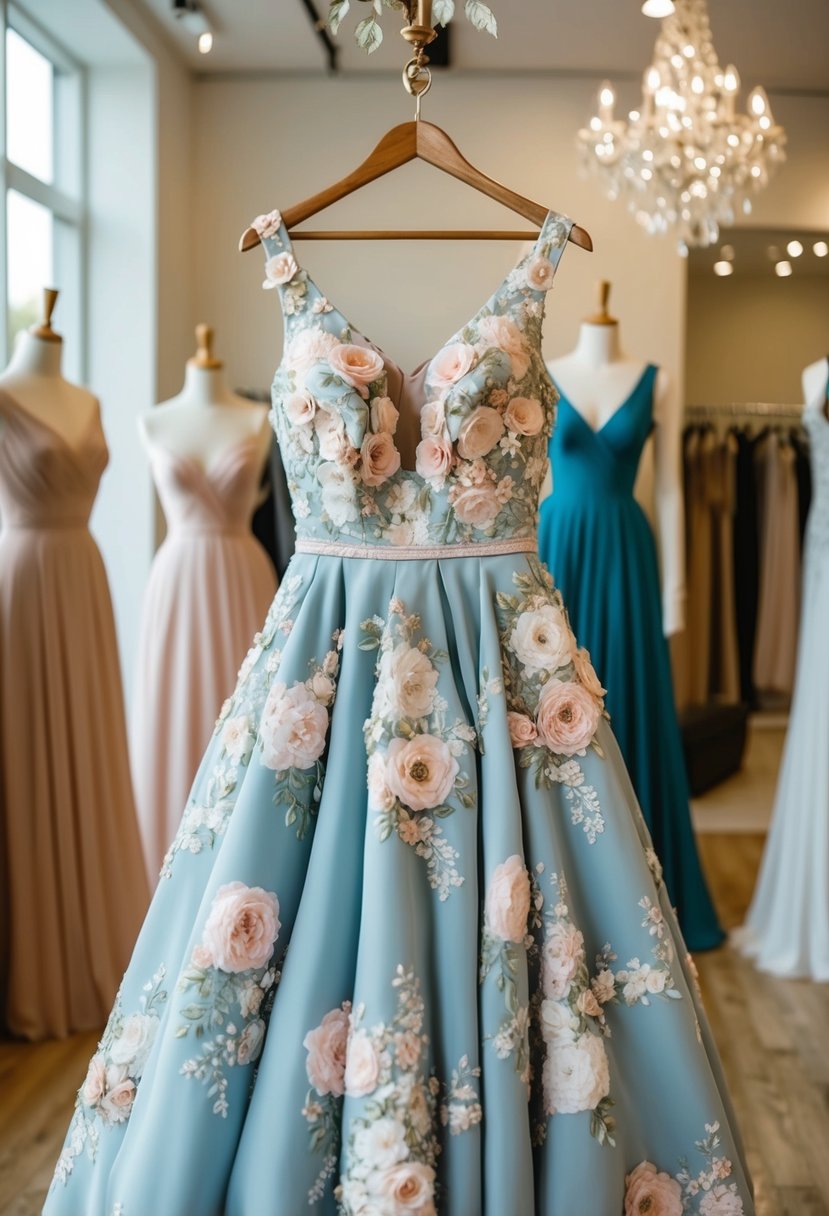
(266, 143)
(750, 336)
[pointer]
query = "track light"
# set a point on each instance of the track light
(192, 16)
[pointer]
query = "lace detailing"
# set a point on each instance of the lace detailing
(412, 553)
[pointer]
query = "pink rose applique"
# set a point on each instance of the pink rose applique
(242, 927)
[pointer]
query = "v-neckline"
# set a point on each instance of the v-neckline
(27, 415)
(597, 431)
(388, 360)
(206, 469)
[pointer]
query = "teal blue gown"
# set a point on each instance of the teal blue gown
(410, 951)
(596, 540)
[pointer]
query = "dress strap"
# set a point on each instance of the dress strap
(552, 239)
(281, 267)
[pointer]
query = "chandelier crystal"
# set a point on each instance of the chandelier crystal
(686, 159)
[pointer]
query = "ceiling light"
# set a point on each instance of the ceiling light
(783, 269)
(193, 18)
(727, 253)
(820, 249)
(723, 268)
(773, 253)
(658, 8)
(794, 249)
(687, 125)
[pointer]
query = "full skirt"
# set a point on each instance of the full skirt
(480, 1007)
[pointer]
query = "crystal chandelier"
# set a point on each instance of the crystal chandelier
(687, 158)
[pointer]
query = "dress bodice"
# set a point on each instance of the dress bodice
(45, 482)
(603, 462)
(218, 498)
(484, 410)
(816, 422)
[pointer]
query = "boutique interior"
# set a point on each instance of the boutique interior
(635, 199)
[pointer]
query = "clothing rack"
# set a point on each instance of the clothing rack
(744, 409)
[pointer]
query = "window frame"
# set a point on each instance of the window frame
(69, 208)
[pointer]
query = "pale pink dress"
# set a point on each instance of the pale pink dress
(209, 591)
(72, 886)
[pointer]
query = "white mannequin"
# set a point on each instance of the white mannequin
(597, 378)
(205, 418)
(814, 381)
(33, 378)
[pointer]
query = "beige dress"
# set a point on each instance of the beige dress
(209, 590)
(725, 659)
(73, 887)
(775, 648)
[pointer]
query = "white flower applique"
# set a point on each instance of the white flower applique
(393, 1144)
(567, 1023)
(231, 968)
(708, 1192)
(106, 1098)
(638, 983)
(554, 698)
(504, 940)
(293, 733)
(415, 777)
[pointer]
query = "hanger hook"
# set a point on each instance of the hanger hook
(417, 80)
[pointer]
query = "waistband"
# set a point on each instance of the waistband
(412, 553)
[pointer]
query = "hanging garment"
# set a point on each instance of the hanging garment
(599, 547)
(210, 586)
(775, 647)
(72, 883)
(273, 520)
(412, 888)
(700, 491)
(746, 561)
(787, 927)
(721, 474)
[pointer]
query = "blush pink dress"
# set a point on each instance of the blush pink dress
(210, 586)
(72, 887)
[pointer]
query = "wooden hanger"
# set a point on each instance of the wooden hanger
(416, 140)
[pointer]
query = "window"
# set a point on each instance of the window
(43, 214)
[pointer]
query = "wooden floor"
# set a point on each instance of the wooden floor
(772, 1035)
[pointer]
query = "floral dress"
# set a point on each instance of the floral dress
(410, 952)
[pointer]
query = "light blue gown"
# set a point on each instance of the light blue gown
(410, 952)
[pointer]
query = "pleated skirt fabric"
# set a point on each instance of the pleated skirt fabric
(603, 557)
(73, 887)
(483, 1010)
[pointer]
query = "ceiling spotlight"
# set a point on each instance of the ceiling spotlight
(783, 269)
(727, 253)
(794, 249)
(723, 269)
(820, 249)
(658, 8)
(773, 253)
(193, 18)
